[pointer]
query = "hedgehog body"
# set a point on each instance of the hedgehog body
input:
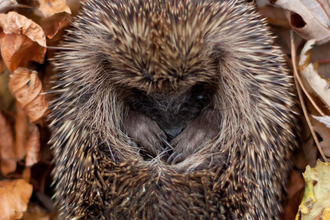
(176, 109)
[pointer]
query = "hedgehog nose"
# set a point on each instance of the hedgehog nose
(172, 133)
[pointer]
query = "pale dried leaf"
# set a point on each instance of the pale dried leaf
(317, 192)
(22, 40)
(51, 7)
(324, 132)
(8, 156)
(29, 95)
(323, 119)
(14, 197)
(313, 82)
(14, 23)
(33, 148)
(53, 24)
(309, 18)
(5, 4)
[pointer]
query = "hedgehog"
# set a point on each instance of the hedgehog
(171, 109)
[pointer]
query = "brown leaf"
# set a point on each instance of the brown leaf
(309, 19)
(21, 131)
(53, 24)
(8, 156)
(2, 64)
(324, 132)
(26, 88)
(5, 4)
(33, 148)
(50, 7)
(22, 40)
(14, 197)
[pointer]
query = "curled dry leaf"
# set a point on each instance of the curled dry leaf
(14, 197)
(33, 148)
(21, 131)
(27, 89)
(2, 64)
(5, 4)
(310, 19)
(316, 201)
(324, 120)
(51, 7)
(323, 131)
(8, 157)
(22, 40)
(53, 24)
(313, 82)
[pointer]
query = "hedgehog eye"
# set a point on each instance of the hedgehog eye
(200, 97)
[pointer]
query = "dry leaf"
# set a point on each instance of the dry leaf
(33, 148)
(21, 131)
(22, 40)
(313, 82)
(309, 19)
(323, 119)
(53, 24)
(2, 64)
(26, 88)
(321, 55)
(317, 193)
(50, 7)
(8, 156)
(5, 4)
(14, 196)
(324, 132)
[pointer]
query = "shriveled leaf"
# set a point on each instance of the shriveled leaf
(35, 212)
(274, 15)
(33, 148)
(310, 19)
(324, 120)
(28, 92)
(2, 64)
(312, 80)
(317, 192)
(53, 24)
(21, 131)
(22, 40)
(5, 4)
(14, 197)
(8, 156)
(51, 7)
(324, 132)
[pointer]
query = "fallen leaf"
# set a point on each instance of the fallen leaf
(317, 192)
(21, 131)
(309, 19)
(5, 4)
(323, 119)
(324, 132)
(27, 89)
(53, 24)
(33, 148)
(2, 64)
(14, 197)
(313, 82)
(50, 7)
(8, 156)
(22, 40)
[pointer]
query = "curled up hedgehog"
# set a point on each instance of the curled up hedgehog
(171, 109)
